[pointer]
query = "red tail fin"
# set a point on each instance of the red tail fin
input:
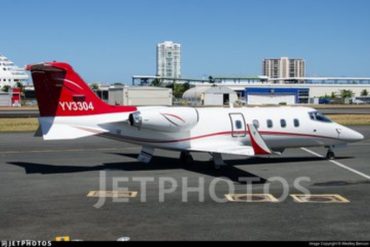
(60, 91)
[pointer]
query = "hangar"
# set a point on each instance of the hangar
(210, 96)
(275, 96)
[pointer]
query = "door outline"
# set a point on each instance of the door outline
(233, 118)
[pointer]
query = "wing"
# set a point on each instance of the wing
(226, 148)
(257, 147)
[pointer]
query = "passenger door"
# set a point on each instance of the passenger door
(238, 126)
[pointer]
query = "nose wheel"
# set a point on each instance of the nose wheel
(330, 155)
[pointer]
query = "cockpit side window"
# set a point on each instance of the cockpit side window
(322, 118)
(312, 115)
(318, 116)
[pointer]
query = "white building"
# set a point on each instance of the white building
(10, 74)
(169, 59)
(140, 96)
(283, 68)
(210, 96)
(302, 92)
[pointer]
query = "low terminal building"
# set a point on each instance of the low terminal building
(274, 96)
(140, 96)
(300, 93)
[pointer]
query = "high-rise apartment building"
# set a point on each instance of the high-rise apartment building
(169, 59)
(283, 68)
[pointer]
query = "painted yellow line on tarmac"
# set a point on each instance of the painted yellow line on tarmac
(251, 198)
(63, 239)
(319, 198)
(113, 194)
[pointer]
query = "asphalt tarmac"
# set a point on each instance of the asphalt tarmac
(44, 187)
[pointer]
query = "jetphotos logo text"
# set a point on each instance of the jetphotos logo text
(25, 243)
(184, 188)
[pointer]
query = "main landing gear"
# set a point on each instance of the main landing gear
(186, 158)
(330, 155)
(217, 160)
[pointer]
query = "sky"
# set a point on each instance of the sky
(111, 40)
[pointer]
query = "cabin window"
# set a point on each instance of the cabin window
(282, 123)
(256, 123)
(296, 123)
(269, 123)
(238, 124)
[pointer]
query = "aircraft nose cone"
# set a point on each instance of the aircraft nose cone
(355, 136)
(359, 136)
(350, 135)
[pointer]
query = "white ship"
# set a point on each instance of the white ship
(10, 74)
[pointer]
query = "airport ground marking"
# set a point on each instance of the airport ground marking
(337, 164)
(319, 198)
(251, 198)
(113, 194)
(63, 239)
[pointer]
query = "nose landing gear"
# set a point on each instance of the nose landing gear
(330, 155)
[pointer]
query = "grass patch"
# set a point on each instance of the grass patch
(18, 124)
(351, 119)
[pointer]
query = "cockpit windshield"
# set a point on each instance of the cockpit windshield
(318, 116)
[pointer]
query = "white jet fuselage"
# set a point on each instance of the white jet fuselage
(280, 127)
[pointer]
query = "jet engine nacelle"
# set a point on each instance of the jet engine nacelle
(172, 119)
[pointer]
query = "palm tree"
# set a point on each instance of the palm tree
(364, 92)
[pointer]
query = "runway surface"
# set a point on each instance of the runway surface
(44, 187)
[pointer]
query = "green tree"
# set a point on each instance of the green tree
(346, 93)
(326, 96)
(333, 95)
(186, 86)
(211, 79)
(20, 85)
(94, 86)
(156, 83)
(179, 89)
(364, 92)
(6, 88)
